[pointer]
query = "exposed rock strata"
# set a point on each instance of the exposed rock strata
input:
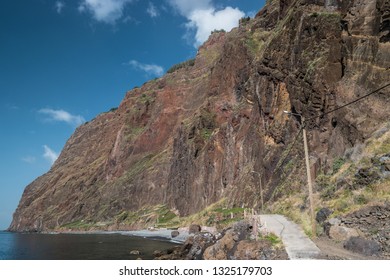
(194, 136)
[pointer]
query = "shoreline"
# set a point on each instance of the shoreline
(161, 234)
(156, 234)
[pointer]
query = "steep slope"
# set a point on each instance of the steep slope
(214, 126)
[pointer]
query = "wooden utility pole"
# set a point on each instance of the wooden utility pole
(308, 172)
(311, 198)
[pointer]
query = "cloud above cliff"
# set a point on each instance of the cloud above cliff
(152, 10)
(49, 154)
(62, 116)
(29, 159)
(186, 7)
(107, 11)
(203, 18)
(150, 69)
(59, 5)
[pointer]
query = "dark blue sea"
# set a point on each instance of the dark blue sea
(29, 246)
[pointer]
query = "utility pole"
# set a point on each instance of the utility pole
(308, 173)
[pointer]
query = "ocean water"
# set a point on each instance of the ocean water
(23, 246)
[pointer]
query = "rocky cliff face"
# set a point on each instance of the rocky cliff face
(211, 129)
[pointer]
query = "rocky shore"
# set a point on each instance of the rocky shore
(233, 243)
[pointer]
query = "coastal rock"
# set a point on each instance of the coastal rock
(157, 253)
(374, 223)
(135, 252)
(197, 244)
(220, 250)
(334, 221)
(232, 243)
(341, 233)
(258, 250)
(323, 214)
(194, 229)
(175, 233)
(363, 246)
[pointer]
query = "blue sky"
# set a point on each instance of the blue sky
(64, 62)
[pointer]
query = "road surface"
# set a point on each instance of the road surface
(297, 244)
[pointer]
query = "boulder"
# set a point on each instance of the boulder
(248, 250)
(195, 246)
(385, 165)
(157, 253)
(258, 250)
(363, 246)
(328, 224)
(194, 229)
(134, 252)
(341, 233)
(220, 250)
(334, 222)
(175, 233)
(225, 247)
(322, 215)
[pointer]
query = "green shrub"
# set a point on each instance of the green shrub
(218, 31)
(337, 164)
(188, 63)
(273, 238)
(360, 199)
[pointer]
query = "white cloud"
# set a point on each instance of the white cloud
(59, 6)
(151, 69)
(49, 154)
(203, 17)
(107, 11)
(62, 116)
(81, 8)
(29, 159)
(205, 21)
(152, 10)
(187, 7)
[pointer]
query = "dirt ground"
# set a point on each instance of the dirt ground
(332, 250)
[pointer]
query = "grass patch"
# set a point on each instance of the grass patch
(137, 168)
(80, 225)
(291, 207)
(218, 214)
(188, 63)
(256, 41)
(337, 164)
(159, 216)
(206, 133)
(133, 132)
(147, 98)
(273, 238)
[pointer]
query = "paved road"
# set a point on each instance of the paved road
(296, 242)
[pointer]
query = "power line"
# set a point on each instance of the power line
(323, 114)
(347, 104)
(326, 113)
